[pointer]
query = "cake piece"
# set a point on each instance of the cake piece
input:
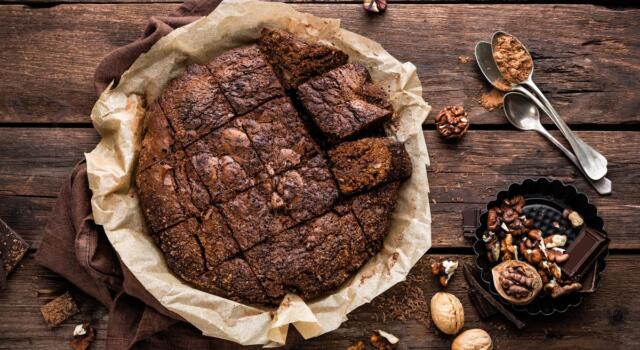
(246, 78)
(366, 163)
(226, 162)
(235, 280)
(278, 135)
(169, 192)
(194, 104)
(216, 238)
(59, 309)
(12, 249)
(159, 141)
(255, 215)
(306, 191)
(296, 60)
(344, 101)
(309, 259)
(182, 251)
(373, 211)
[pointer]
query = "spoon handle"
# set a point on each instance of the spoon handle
(602, 186)
(593, 163)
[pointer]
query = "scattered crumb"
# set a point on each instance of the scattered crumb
(59, 309)
(491, 100)
(82, 339)
(405, 301)
(464, 59)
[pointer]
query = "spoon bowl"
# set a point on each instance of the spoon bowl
(494, 43)
(524, 115)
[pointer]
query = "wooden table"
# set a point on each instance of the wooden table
(587, 60)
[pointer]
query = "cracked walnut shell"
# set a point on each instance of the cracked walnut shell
(452, 122)
(517, 282)
(447, 313)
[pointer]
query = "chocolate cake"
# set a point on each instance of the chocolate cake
(344, 102)
(244, 182)
(369, 162)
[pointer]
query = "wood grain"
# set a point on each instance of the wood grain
(607, 319)
(587, 57)
(36, 161)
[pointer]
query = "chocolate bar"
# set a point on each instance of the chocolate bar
(470, 221)
(584, 252)
(590, 279)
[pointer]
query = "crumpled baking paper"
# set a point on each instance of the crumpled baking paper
(118, 116)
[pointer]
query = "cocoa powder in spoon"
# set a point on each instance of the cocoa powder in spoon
(512, 59)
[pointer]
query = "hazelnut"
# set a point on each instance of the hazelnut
(472, 339)
(447, 313)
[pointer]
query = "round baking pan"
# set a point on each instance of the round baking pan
(544, 202)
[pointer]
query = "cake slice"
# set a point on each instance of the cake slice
(226, 162)
(159, 141)
(309, 259)
(366, 163)
(169, 192)
(194, 104)
(182, 251)
(246, 78)
(296, 60)
(344, 102)
(281, 202)
(373, 211)
(278, 135)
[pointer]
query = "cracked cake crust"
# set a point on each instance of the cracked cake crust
(237, 184)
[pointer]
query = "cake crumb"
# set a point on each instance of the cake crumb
(492, 99)
(464, 59)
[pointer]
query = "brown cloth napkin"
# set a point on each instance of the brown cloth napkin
(78, 249)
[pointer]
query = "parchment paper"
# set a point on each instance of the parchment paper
(118, 115)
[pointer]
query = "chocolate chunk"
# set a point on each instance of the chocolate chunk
(583, 252)
(590, 279)
(12, 249)
(344, 101)
(296, 60)
(369, 162)
(59, 309)
(470, 221)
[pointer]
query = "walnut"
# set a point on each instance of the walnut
(452, 122)
(493, 249)
(492, 220)
(555, 241)
(557, 290)
(557, 255)
(516, 202)
(444, 270)
(472, 339)
(447, 313)
(83, 336)
(517, 282)
(375, 6)
(535, 235)
(509, 214)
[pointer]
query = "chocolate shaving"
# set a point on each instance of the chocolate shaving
(474, 284)
(406, 301)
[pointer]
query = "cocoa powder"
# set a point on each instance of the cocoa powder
(512, 59)
(492, 99)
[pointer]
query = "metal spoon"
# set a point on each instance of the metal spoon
(524, 115)
(593, 163)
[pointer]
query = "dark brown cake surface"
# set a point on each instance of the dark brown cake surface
(238, 186)
(344, 102)
(366, 163)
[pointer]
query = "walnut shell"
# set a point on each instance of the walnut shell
(447, 313)
(527, 292)
(472, 339)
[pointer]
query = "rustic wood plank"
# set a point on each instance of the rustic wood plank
(35, 162)
(587, 57)
(604, 320)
